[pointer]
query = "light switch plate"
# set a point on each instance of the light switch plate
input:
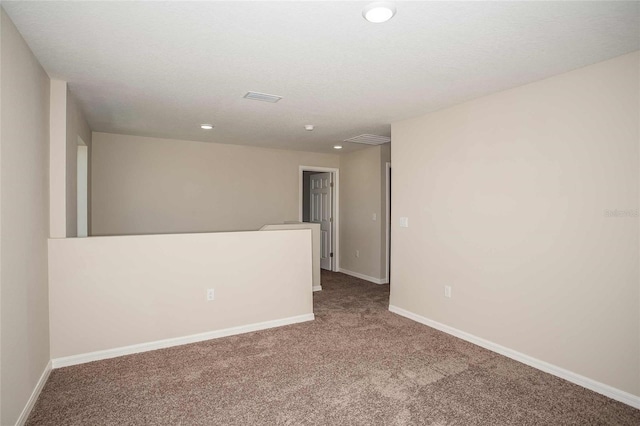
(447, 291)
(404, 222)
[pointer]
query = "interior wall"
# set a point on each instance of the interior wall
(315, 242)
(58, 159)
(146, 185)
(362, 197)
(76, 127)
(158, 291)
(385, 157)
(526, 203)
(24, 219)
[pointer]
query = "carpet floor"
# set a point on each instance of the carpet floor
(356, 364)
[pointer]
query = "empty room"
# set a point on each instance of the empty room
(319, 212)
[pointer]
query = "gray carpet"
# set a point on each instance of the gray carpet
(357, 363)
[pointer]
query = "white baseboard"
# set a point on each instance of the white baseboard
(34, 395)
(317, 288)
(570, 376)
(167, 343)
(364, 277)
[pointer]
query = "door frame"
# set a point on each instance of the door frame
(335, 206)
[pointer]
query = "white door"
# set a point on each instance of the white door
(321, 212)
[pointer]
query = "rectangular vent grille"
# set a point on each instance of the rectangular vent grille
(369, 139)
(264, 97)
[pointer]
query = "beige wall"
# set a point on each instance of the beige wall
(58, 159)
(315, 243)
(506, 198)
(76, 127)
(66, 123)
(147, 185)
(138, 289)
(362, 195)
(24, 322)
(385, 157)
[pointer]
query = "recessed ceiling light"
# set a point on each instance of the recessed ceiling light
(337, 147)
(206, 126)
(379, 11)
(308, 127)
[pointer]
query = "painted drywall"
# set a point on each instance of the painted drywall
(315, 241)
(58, 159)
(147, 185)
(77, 127)
(526, 203)
(67, 123)
(137, 289)
(385, 157)
(24, 220)
(362, 196)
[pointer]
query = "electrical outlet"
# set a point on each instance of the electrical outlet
(447, 291)
(210, 294)
(357, 253)
(374, 217)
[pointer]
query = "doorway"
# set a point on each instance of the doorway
(318, 198)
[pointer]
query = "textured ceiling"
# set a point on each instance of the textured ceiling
(162, 68)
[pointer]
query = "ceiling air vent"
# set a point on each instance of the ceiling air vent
(264, 97)
(369, 139)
